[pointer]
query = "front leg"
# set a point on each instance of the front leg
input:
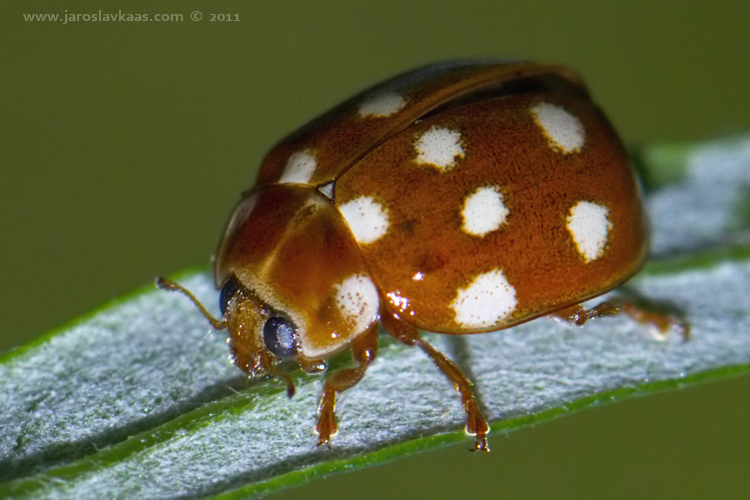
(364, 350)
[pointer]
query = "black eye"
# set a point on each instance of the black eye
(226, 295)
(280, 336)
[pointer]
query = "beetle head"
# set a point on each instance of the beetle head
(256, 333)
(258, 336)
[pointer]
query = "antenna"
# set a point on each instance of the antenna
(169, 285)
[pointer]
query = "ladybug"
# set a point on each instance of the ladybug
(457, 198)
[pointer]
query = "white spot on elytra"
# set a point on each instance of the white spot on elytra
(589, 226)
(484, 211)
(564, 131)
(381, 105)
(486, 301)
(439, 147)
(367, 218)
(358, 301)
(299, 168)
(327, 190)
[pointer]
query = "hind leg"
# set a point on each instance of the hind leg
(662, 323)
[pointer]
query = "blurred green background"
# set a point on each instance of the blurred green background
(124, 145)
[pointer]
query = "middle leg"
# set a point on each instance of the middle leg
(476, 424)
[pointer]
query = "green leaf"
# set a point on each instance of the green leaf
(139, 399)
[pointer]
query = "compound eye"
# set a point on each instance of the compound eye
(280, 336)
(229, 290)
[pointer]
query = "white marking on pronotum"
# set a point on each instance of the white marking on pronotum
(358, 301)
(564, 131)
(484, 211)
(299, 168)
(382, 105)
(486, 301)
(367, 218)
(439, 147)
(327, 190)
(589, 226)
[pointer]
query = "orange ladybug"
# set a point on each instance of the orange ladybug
(457, 198)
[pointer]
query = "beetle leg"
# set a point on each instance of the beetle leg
(476, 424)
(266, 363)
(364, 349)
(578, 315)
(661, 323)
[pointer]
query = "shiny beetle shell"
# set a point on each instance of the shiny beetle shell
(464, 197)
